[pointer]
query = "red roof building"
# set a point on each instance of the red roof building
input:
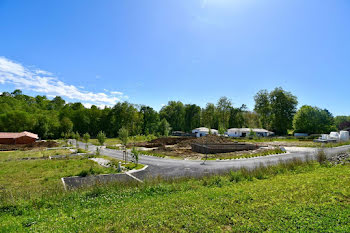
(18, 138)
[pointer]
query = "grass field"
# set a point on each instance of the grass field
(295, 197)
(16, 155)
(31, 178)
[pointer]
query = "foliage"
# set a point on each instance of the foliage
(123, 135)
(135, 154)
(101, 137)
(263, 108)
(223, 109)
(342, 122)
(208, 116)
(86, 138)
(174, 113)
(164, 127)
(192, 117)
(276, 109)
(313, 120)
(150, 120)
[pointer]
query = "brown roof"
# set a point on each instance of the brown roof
(18, 135)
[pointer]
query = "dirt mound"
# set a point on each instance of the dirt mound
(160, 142)
(170, 140)
(209, 139)
(40, 144)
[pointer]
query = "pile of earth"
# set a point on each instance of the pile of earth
(209, 139)
(40, 144)
(160, 142)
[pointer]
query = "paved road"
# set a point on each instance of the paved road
(165, 167)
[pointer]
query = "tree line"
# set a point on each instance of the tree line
(275, 111)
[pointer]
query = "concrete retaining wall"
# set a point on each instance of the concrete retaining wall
(222, 148)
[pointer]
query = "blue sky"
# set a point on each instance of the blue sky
(150, 52)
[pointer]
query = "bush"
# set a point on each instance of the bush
(321, 157)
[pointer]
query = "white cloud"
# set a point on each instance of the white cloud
(116, 93)
(44, 82)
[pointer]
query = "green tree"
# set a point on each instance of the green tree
(341, 121)
(313, 120)
(125, 115)
(174, 113)
(192, 117)
(101, 137)
(263, 108)
(283, 108)
(17, 121)
(123, 135)
(223, 108)
(77, 139)
(236, 119)
(164, 127)
(208, 116)
(66, 125)
(150, 120)
(135, 155)
(86, 138)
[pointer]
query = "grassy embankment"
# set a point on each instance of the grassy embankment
(290, 197)
(31, 177)
(292, 142)
(111, 142)
(223, 155)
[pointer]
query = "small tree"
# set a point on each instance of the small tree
(77, 139)
(86, 138)
(164, 127)
(135, 155)
(221, 129)
(252, 134)
(101, 137)
(123, 136)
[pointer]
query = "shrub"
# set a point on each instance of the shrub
(321, 157)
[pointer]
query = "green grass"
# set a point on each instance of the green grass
(17, 155)
(295, 141)
(31, 177)
(331, 145)
(246, 155)
(288, 198)
(152, 153)
(113, 141)
(129, 165)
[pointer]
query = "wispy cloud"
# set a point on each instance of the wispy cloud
(45, 82)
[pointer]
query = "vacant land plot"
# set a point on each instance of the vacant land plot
(38, 175)
(18, 155)
(303, 198)
(31, 177)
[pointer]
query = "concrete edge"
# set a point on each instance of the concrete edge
(134, 171)
(64, 184)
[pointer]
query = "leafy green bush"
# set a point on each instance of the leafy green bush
(80, 150)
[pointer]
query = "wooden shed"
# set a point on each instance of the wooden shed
(18, 138)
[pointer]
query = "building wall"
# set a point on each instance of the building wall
(21, 140)
(7, 141)
(25, 140)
